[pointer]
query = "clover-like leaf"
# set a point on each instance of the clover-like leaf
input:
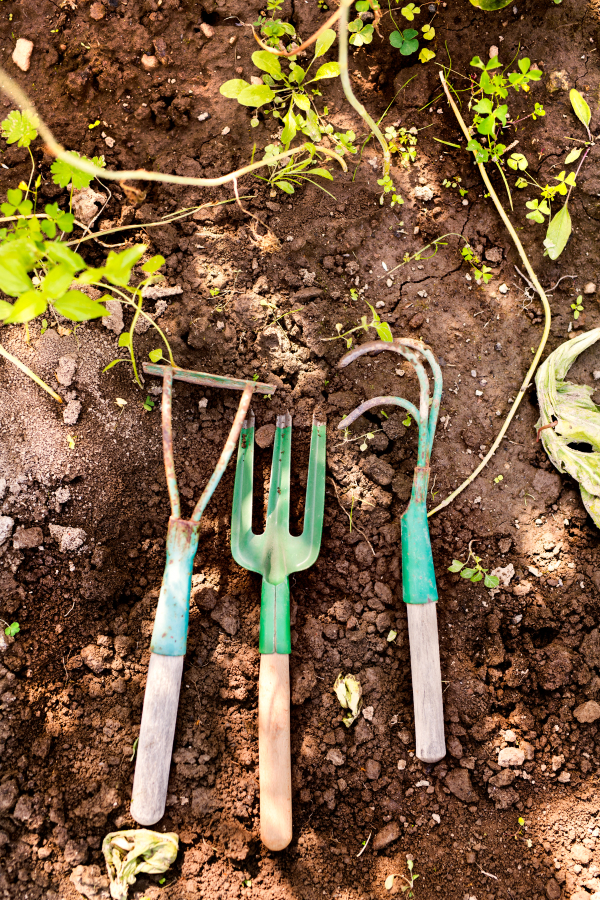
(19, 128)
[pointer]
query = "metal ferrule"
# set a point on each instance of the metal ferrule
(169, 635)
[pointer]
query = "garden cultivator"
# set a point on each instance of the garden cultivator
(418, 575)
(169, 636)
(275, 554)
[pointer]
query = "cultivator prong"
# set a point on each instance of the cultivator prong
(276, 554)
(418, 575)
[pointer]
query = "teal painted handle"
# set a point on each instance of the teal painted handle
(275, 618)
(418, 574)
(169, 636)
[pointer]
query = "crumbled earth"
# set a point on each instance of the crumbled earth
(513, 809)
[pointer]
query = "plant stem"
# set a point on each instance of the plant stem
(545, 304)
(12, 90)
(577, 173)
(345, 79)
(17, 362)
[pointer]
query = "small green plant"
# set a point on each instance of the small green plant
(12, 629)
(149, 404)
(296, 169)
(286, 93)
(403, 142)
(407, 421)
(475, 572)
(577, 307)
(409, 880)
(498, 479)
(384, 332)
(455, 184)
(480, 272)
(520, 833)
(273, 29)
(39, 269)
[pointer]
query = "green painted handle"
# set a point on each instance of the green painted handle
(275, 618)
(418, 574)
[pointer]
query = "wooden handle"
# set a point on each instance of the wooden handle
(274, 750)
(426, 681)
(155, 744)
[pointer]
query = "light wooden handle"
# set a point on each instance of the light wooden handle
(426, 681)
(274, 750)
(155, 744)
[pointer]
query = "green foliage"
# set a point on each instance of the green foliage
(409, 880)
(403, 142)
(296, 169)
(360, 33)
(405, 41)
(492, 5)
(63, 173)
(577, 307)
(274, 29)
(286, 92)
(12, 629)
(19, 128)
(384, 332)
(475, 572)
(480, 272)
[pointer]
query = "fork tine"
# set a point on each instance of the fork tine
(242, 537)
(278, 506)
(305, 548)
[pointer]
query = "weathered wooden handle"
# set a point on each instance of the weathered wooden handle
(274, 750)
(426, 681)
(155, 744)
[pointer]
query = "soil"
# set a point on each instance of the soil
(518, 665)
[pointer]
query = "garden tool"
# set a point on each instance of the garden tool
(418, 575)
(169, 636)
(275, 554)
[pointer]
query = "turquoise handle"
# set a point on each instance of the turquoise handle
(418, 574)
(275, 618)
(169, 636)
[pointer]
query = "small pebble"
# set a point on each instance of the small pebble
(22, 54)
(149, 63)
(207, 30)
(202, 117)
(590, 288)
(493, 51)
(110, 142)
(97, 11)
(226, 130)
(504, 289)
(389, 282)
(380, 304)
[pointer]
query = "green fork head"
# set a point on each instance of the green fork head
(275, 554)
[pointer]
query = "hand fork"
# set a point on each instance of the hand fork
(275, 554)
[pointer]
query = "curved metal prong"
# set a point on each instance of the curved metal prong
(167, 436)
(381, 401)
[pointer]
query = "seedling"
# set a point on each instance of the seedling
(454, 183)
(384, 332)
(287, 91)
(498, 479)
(71, 442)
(296, 169)
(409, 880)
(480, 272)
(348, 690)
(475, 572)
(577, 307)
(407, 421)
(12, 629)
(149, 404)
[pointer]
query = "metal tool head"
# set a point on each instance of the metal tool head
(276, 553)
(224, 381)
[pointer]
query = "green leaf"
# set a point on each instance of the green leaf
(384, 332)
(410, 45)
(580, 107)
(311, 129)
(268, 62)
(467, 573)
(78, 307)
(285, 186)
(153, 264)
(63, 173)
(113, 363)
(14, 196)
(323, 173)
(27, 307)
(5, 309)
(289, 132)
(456, 565)
(12, 629)
(57, 281)
(14, 279)
(491, 5)
(573, 155)
(232, 89)
(256, 95)
(119, 265)
(19, 127)
(327, 70)
(559, 232)
(59, 253)
(155, 355)
(297, 73)
(324, 42)
(425, 55)
(476, 577)
(301, 101)
(124, 339)
(396, 39)
(389, 882)
(491, 581)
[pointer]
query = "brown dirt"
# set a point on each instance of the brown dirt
(72, 682)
